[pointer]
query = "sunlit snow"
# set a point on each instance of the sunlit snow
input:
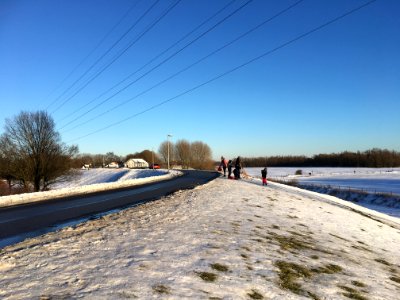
(227, 239)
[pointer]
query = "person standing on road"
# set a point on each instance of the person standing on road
(223, 164)
(264, 176)
(230, 168)
(238, 167)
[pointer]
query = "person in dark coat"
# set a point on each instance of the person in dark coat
(264, 176)
(238, 167)
(230, 168)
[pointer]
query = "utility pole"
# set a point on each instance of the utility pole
(168, 136)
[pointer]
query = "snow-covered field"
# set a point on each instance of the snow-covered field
(93, 180)
(386, 180)
(225, 240)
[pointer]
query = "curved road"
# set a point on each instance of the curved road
(26, 218)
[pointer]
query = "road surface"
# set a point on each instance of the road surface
(30, 217)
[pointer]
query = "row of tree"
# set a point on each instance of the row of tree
(183, 153)
(102, 160)
(374, 158)
(197, 155)
(33, 155)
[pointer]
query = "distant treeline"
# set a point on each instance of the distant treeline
(375, 158)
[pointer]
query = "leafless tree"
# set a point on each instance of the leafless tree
(163, 151)
(182, 153)
(200, 155)
(34, 149)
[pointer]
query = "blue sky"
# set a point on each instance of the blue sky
(336, 89)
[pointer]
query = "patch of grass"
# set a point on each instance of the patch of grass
(300, 224)
(382, 261)
(288, 275)
(361, 248)
(258, 240)
(255, 295)
(296, 233)
(358, 283)
(395, 279)
(246, 248)
(352, 293)
(292, 217)
(127, 295)
(207, 276)
(328, 269)
(313, 296)
(339, 237)
(161, 289)
(291, 242)
(219, 267)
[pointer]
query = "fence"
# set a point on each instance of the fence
(295, 182)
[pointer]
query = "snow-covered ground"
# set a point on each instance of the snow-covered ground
(327, 172)
(224, 240)
(89, 181)
(385, 180)
(336, 181)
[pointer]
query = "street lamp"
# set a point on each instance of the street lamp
(168, 136)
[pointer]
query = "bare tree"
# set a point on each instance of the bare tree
(163, 151)
(200, 155)
(182, 152)
(34, 149)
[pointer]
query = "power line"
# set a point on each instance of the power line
(102, 56)
(168, 58)
(146, 64)
(269, 52)
(188, 67)
(91, 52)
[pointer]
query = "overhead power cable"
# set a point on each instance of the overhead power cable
(191, 65)
(269, 52)
(166, 59)
(102, 56)
(145, 65)
(91, 52)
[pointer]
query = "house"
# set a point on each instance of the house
(136, 163)
(114, 165)
(86, 166)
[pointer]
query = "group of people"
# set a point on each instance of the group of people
(228, 164)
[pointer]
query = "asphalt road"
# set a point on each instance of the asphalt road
(30, 217)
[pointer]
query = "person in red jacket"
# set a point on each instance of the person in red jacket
(223, 164)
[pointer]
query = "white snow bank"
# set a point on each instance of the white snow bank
(126, 178)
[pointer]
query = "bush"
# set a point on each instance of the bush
(299, 172)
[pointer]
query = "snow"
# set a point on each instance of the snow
(238, 235)
(374, 188)
(386, 180)
(89, 181)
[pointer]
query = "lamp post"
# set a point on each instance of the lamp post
(168, 136)
(152, 157)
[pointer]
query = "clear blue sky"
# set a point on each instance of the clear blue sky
(336, 89)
